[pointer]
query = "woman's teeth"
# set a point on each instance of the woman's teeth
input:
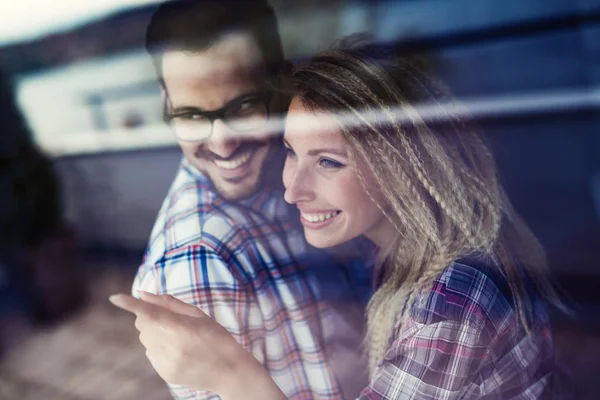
(235, 163)
(319, 217)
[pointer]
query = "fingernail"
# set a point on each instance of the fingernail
(115, 299)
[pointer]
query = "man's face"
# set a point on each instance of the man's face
(209, 80)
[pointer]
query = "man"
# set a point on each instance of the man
(224, 240)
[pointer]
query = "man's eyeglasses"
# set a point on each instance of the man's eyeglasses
(244, 114)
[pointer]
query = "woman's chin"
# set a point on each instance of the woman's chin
(321, 242)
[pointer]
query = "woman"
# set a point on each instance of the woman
(458, 310)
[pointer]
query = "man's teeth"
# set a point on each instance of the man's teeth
(233, 163)
(319, 217)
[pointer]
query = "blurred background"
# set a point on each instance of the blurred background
(85, 162)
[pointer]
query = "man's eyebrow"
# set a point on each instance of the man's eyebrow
(189, 109)
(185, 109)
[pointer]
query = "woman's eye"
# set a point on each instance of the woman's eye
(328, 163)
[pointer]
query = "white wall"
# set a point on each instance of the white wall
(55, 104)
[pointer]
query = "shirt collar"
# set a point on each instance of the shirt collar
(268, 201)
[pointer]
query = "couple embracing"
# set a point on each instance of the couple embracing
(273, 246)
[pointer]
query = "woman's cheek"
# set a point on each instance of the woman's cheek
(344, 190)
(287, 172)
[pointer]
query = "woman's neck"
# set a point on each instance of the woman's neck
(382, 234)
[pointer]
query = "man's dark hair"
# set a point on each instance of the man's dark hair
(194, 25)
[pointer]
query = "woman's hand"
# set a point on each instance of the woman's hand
(186, 347)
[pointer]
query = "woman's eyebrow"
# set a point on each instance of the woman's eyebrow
(339, 152)
(315, 152)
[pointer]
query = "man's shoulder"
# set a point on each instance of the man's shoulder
(190, 192)
(192, 213)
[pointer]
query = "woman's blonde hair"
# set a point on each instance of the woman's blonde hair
(436, 182)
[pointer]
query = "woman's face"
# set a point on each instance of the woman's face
(323, 182)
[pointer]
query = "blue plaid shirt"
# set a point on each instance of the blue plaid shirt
(247, 266)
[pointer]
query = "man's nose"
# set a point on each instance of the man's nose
(223, 141)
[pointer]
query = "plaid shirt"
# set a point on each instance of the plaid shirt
(464, 341)
(246, 265)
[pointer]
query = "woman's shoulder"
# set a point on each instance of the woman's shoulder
(468, 330)
(472, 290)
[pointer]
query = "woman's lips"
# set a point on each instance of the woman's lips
(318, 220)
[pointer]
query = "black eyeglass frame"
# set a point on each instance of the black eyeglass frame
(220, 113)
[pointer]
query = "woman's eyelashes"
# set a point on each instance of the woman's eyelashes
(323, 162)
(329, 163)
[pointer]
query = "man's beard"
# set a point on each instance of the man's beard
(243, 148)
(269, 174)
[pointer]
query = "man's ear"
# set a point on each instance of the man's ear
(163, 89)
(283, 90)
(286, 68)
(165, 98)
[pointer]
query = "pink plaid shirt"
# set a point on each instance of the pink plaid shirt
(465, 341)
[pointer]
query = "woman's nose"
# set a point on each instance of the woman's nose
(297, 184)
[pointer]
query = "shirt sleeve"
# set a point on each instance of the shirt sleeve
(435, 362)
(212, 280)
(451, 360)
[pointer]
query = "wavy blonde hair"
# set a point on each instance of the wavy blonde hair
(436, 182)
